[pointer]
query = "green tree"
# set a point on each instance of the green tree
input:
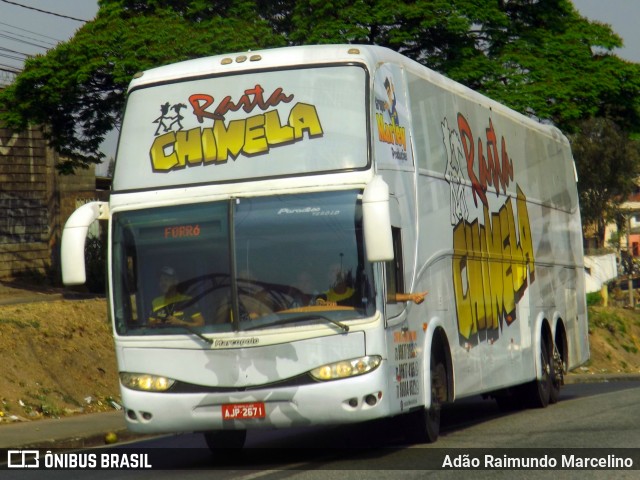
(556, 66)
(540, 57)
(78, 88)
(608, 165)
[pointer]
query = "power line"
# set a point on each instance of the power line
(45, 11)
(8, 69)
(16, 37)
(57, 40)
(24, 55)
(24, 42)
(7, 76)
(11, 57)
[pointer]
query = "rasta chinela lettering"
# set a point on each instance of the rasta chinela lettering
(497, 260)
(493, 262)
(250, 136)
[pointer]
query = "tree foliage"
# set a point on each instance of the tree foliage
(608, 164)
(78, 88)
(537, 56)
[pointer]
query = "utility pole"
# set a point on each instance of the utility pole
(630, 252)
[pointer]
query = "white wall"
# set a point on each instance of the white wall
(598, 270)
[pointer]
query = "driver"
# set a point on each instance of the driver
(173, 307)
(341, 291)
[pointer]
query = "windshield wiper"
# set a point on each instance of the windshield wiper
(189, 329)
(301, 318)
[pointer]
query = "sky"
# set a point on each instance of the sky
(622, 15)
(25, 31)
(29, 27)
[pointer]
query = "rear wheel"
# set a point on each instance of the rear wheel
(539, 391)
(557, 375)
(225, 439)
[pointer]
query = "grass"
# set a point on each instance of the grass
(20, 323)
(607, 320)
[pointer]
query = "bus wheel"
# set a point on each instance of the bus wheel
(425, 423)
(438, 397)
(221, 439)
(539, 391)
(557, 375)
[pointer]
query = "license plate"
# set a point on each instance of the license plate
(234, 411)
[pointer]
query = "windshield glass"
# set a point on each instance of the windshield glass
(243, 264)
(254, 125)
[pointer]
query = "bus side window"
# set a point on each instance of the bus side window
(395, 272)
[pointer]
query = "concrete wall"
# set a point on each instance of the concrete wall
(35, 201)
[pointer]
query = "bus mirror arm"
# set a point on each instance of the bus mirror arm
(377, 221)
(74, 236)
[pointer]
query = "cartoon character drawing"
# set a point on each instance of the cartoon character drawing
(390, 105)
(164, 117)
(454, 173)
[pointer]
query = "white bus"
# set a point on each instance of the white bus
(277, 218)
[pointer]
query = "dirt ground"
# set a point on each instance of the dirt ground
(57, 356)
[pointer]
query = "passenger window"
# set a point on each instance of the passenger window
(395, 272)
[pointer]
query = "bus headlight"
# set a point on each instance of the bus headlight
(346, 368)
(146, 382)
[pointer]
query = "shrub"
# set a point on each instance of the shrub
(594, 299)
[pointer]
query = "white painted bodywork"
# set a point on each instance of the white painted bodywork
(422, 150)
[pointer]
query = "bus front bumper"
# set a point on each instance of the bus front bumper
(343, 401)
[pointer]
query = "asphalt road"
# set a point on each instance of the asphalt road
(590, 419)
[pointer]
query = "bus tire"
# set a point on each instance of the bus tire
(222, 439)
(557, 374)
(425, 423)
(539, 390)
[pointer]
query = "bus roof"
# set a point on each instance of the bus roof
(370, 55)
(265, 59)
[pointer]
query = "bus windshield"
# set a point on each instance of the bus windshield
(241, 264)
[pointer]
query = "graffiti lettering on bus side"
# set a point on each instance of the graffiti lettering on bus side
(407, 368)
(391, 133)
(254, 135)
(495, 169)
(493, 265)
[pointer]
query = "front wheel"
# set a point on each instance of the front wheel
(426, 422)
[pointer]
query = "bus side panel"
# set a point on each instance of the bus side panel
(497, 194)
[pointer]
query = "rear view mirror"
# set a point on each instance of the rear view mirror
(74, 236)
(377, 221)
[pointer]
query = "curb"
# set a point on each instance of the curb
(573, 378)
(81, 442)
